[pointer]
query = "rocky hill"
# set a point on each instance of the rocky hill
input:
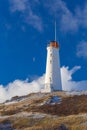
(52, 111)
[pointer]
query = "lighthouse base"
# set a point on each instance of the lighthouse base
(49, 91)
(46, 91)
(49, 88)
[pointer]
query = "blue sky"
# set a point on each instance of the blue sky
(27, 26)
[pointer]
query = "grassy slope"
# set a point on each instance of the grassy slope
(68, 106)
(70, 113)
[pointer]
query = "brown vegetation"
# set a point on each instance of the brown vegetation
(67, 115)
(68, 106)
(74, 122)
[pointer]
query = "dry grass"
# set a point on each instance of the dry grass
(24, 123)
(69, 123)
(68, 106)
(72, 122)
(67, 113)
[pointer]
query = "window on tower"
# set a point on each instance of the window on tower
(50, 61)
(50, 79)
(51, 54)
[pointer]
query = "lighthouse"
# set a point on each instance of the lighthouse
(53, 74)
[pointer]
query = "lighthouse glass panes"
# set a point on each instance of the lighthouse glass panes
(53, 76)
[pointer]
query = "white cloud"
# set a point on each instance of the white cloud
(27, 13)
(65, 17)
(81, 14)
(55, 6)
(34, 20)
(69, 21)
(68, 84)
(82, 49)
(73, 21)
(18, 5)
(20, 88)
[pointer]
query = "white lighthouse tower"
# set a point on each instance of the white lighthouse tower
(53, 75)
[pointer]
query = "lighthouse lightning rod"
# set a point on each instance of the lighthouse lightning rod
(55, 30)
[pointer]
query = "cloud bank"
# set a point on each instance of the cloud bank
(82, 49)
(19, 87)
(67, 82)
(68, 20)
(25, 8)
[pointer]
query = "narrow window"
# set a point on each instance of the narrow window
(50, 61)
(50, 79)
(51, 54)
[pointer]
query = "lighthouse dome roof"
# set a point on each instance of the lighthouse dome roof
(54, 44)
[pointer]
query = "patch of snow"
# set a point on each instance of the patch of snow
(77, 93)
(38, 115)
(4, 117)
(52, 100)
(22, 98)
(30, 115)
(84, 123)
(83, 115)
(55, 99)
(13, 100)
(8, 103)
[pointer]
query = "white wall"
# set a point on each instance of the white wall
(53, 76)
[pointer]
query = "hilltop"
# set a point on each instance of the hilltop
(40, 111)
